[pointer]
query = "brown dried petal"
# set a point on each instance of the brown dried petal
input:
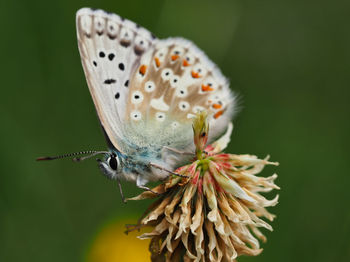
(169, 209)
(184, 239)
(198, 239)
(213, 245)
(148, 194)
(226, 209)
(196, 219)
(229, 185)
(173, 229)
(213, 215)
(159, 229)
(153, 215)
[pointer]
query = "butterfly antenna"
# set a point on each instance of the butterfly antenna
(77, 159)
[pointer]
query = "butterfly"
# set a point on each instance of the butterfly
(146, 92)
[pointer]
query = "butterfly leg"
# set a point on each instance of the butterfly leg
(166, 170)
(140, 183)
(178, 151)
(121, 190)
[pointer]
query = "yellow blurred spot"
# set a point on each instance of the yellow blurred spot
(113, 245)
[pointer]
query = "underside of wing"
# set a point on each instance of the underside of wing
(146, 91)
(111, 49)
(173, 82)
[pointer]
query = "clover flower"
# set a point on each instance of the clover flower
(215, 213)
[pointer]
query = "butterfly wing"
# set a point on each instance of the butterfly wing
(173, 82)
(145, 90)
(110, 48)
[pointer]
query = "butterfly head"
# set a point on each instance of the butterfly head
(111, 165)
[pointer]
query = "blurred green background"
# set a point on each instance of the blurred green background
(288, 61)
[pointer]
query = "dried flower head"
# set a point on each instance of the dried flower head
(215, 213)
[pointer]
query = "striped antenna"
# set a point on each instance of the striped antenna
(77, 159)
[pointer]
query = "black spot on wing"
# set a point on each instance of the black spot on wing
(111, 56)
(121, 66)
(110, 81)
(126, 84)
(117, 95)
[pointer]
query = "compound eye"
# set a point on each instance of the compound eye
(113, 163)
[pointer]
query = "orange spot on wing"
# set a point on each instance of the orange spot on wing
(206, 88)
(218, 114)
(195, 74)
(185, 63)
(217, 106)
(156, 59)
(143, 69)
(174, 57)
